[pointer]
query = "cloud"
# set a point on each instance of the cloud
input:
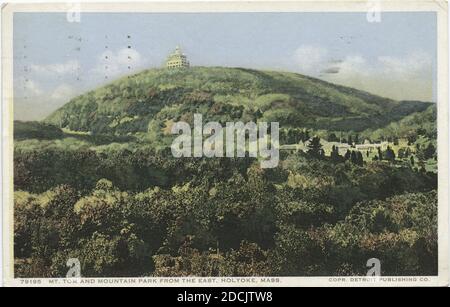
(402, 78)
(113, 64)
(399, 78)
(35, 103)
(33, 89)
(413, 65)
(62, 93)
(332, 70)
(57, 86)
(69, 67)
(310, 59)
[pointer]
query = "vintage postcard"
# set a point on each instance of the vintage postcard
(267, 144)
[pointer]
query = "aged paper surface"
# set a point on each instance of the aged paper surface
(225, 144)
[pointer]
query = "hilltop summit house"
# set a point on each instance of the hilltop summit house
(177, 59)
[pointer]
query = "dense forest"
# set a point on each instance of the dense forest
(96, 181)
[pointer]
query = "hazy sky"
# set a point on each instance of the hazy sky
(55, 60)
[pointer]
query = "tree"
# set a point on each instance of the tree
(429, 151)
(248, 260)
(412, 138)
(420, 153)
(404, 153)
(354, 157)
(291, 136)
(348, 155)
(332, 138)
(359, 159)
(407, 152)
(380, 154)
(335, 156)
(315, 147)
(306, 136)
(389, 154)
(350, 141)
(422, 131)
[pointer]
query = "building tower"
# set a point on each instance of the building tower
(177, 59)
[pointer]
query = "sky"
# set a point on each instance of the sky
(56, 59)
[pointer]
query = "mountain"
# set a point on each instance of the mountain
(153, 99)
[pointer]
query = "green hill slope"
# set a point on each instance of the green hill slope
(151, 100)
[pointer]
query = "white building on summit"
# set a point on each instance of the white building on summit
(177, 59)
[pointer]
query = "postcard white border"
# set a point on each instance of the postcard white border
(440, 7)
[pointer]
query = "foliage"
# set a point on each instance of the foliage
(151, 98)
(322, 218)
(97, 182)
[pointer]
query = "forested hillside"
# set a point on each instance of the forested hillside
(96, 181)
(153, 98)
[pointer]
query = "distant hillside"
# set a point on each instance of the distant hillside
(36, 130)
(151, 100)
